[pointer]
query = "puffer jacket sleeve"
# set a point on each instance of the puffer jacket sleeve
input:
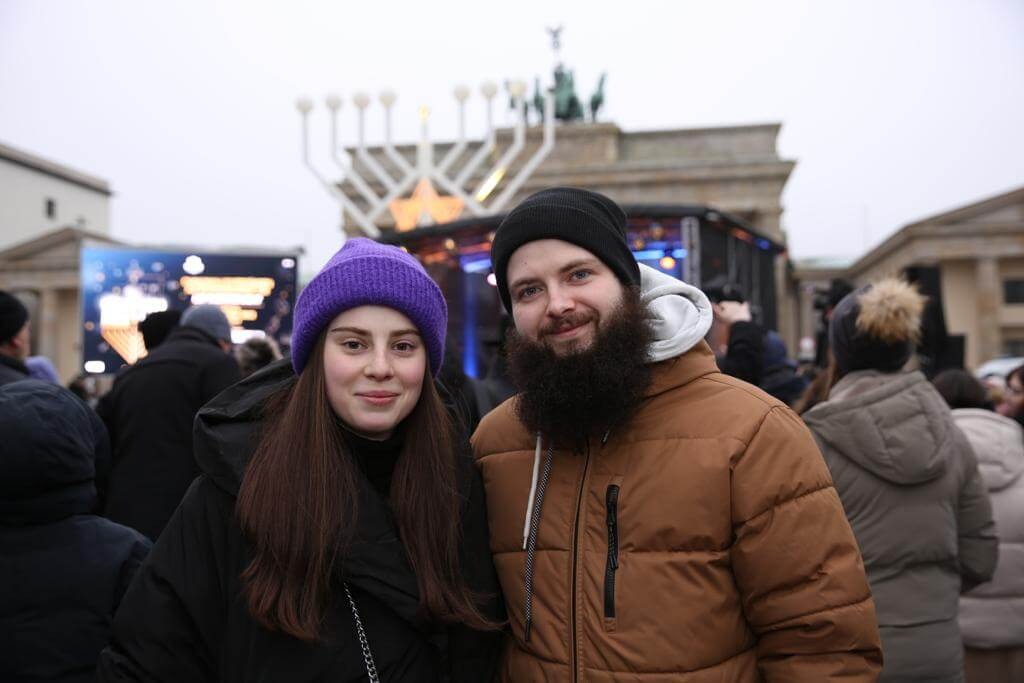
(977, 542)
(796, 561)
(169, 624)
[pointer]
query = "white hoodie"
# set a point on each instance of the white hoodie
(679, 314)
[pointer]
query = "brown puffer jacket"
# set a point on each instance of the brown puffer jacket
(702, 541)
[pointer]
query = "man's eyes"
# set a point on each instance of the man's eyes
(527, 292)
(574, 276)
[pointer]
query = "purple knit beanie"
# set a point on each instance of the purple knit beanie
(367, 273)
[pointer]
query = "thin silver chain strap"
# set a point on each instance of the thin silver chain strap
(371, 668)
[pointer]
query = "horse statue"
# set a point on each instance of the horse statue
(538, 99)
(567, 104)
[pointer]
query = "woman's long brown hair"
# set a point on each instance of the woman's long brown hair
(298, 503)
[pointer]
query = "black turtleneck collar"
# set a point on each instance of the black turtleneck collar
(377, 459)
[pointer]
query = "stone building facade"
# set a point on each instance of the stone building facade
(47, 212)
(38, 196)
(44, 272)
(978, 250)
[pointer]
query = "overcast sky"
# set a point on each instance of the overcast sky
(892, 110)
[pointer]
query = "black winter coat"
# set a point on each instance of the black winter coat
(12, 370)
(184, 620)
(63, 570)
(149, 413)
(744, 357)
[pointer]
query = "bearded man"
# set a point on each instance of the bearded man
(652, 519)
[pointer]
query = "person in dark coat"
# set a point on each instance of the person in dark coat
(779, 373)
(63, 570)
(149, 414)
(14, 339)
(738, 342)
(338, 527)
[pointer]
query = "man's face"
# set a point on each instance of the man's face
(561, 294)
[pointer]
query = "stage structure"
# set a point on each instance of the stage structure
(361, 173)
(690, 242)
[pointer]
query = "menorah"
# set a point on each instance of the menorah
(426, 207)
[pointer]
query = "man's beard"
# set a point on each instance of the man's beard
(587, 392)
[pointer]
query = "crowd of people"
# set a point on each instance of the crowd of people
(632, 498)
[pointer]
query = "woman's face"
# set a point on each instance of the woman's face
(1013, 399)
(374, 365)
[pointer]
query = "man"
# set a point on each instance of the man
(149, 414)
(738, 342)
(652, 519)
(14, 339)
(744, 350)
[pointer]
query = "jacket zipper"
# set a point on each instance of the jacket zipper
(575, 559)
(611, 506)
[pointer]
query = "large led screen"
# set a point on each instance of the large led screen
(121, 286)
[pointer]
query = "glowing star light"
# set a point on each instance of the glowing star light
(424, 207)
(120, 315)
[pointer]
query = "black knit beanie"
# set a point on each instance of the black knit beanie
(13, 316)
(584, 218)
(156, 326)
(856, 349)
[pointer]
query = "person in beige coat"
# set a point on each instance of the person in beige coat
(908, 480)
(992, 615)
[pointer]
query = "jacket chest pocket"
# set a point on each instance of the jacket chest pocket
(611, 500)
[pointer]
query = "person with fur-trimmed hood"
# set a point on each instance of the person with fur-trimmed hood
(908, 480)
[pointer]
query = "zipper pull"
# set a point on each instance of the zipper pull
(612, 519)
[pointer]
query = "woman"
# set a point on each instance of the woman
(908, 481)
(992, 615)
(338, 531)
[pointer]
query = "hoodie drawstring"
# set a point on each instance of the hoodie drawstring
(533, 490)
(533, 512)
